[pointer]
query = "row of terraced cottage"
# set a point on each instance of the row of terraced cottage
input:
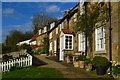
(63, 40)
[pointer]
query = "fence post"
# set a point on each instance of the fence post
(4, 67)
(0, 68)
(30, 60)
(7, 66)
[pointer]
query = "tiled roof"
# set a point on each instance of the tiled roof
(67, 31)
(34, 37)
(36, 46)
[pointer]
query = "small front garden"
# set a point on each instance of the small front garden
(98, 64)
(33, 72)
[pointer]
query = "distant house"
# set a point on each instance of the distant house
(24, 42)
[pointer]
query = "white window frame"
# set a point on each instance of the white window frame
(50, 35)
(100, 39)
(57, 30)
(40, 31)
(52, 25)
(55, 45)
(45, 29)
(75, 17)
(81, 42)
(50, 49)
(62, 25)
(68, 42)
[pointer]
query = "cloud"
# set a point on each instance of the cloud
(23, 28)
(52, 9)
(8, 11)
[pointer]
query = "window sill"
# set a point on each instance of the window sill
(67, 49)
(81, 51)
(100, 52)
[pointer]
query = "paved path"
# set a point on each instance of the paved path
(68, 71)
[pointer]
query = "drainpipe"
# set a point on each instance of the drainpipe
(110, 39)
(86, 30)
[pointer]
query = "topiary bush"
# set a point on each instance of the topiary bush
(99, 61)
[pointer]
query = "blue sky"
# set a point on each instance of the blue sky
(18, 15)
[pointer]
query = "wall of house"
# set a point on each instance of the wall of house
(115, 24)
(55, 37)
(40, 39)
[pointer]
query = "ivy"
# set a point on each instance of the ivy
(93, 14)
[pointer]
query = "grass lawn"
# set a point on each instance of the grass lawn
(33, 72)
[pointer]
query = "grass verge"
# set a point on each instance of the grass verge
(32, 72)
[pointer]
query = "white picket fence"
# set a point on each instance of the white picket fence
(24, 62)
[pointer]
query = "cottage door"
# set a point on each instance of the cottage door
(61, 55)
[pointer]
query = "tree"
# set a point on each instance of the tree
(94, 13)
(39, 20)
(46, 44)
(13, 38)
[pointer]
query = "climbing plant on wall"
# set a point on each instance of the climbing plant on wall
(94, 13)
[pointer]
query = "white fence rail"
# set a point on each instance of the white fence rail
(24, 62)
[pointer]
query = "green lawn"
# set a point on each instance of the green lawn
(33, 72)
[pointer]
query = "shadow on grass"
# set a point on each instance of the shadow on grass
(37, 62)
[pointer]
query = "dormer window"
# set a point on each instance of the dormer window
(57, 30)
(52, 25)
(75, 17)
(62, 25)
(40, 31)
(45, 29)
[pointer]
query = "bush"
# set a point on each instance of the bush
(6, 57)
(68, 54)
(36, 53)
(116, 69)
(15, 67)
(81, 58)
(23, 56)
(88, 61)
(99, 61)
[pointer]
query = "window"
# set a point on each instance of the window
(100, 38)
(68, 42)
(50, 46)
(81, 43)
(50, 35)
(57, 30)
(52, 25)
(62, 25)
(75, 17)
(40, 31)
(45, 29)
(55, 49)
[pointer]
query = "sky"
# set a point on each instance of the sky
(18, 15)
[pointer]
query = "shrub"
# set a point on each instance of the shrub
(76, 59)
(116, 69)
(15, 67)
(68, 55)
(99, 61)
(6, 57)
(36, 53)
(88, 61)
(81, 58)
